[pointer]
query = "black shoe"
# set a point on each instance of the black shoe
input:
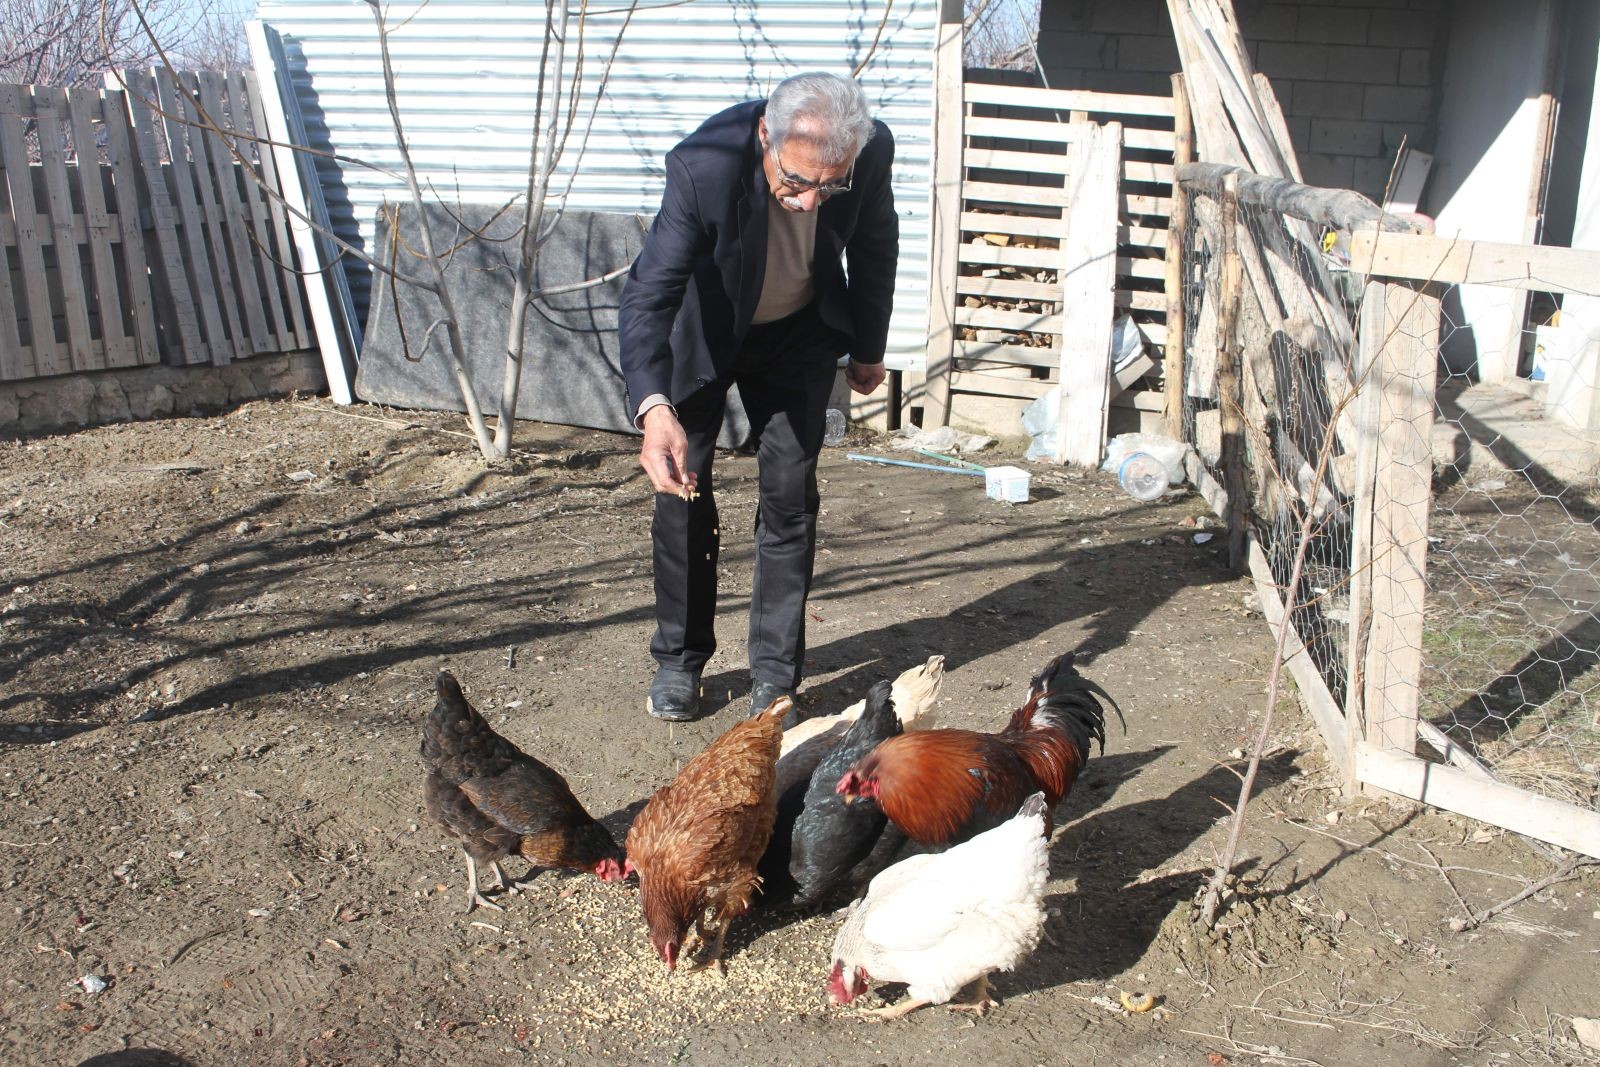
(674, 695)
(764, 694)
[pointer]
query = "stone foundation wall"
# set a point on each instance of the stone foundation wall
(73, 401)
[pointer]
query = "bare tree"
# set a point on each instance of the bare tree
(1001, 34)
(74, 42)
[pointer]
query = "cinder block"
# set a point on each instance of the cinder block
(1064, 16)
(1346, 137)
(1270, 22)
(1330, 172)
(1280, 60)
(1327, 100)
(1333, 25)
(1128, 16)
(1363, 63)
(1143, 52)
(1391, 103)
(1416, 67)
(1092, 50)
(1403, 29)
(1371, 176)
(1412, 134)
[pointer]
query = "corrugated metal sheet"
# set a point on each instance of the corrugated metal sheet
(466, 73)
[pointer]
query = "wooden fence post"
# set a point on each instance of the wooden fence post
(1088, 292)
(1398, 368)
(1173, 361)
(1230, 381)
(949, 111)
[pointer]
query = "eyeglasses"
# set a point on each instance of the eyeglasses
(797, 184)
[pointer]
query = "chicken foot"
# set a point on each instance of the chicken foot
(713, 959)
(504, 881)
(977, 1002)
(474, 898)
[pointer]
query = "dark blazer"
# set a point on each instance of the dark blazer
(693, 289)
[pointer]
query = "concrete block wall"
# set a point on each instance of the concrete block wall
(1354, 78)
(42, 405)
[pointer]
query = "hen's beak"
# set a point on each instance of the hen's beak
(849, 798)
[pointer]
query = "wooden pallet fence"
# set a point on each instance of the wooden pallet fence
(1017, 147)
(131, 237)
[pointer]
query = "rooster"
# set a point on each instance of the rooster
(941, 922)
(942, 787)
(696, 844)
(499, 801)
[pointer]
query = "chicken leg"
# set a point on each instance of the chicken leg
(895, 1011)
(977, 1001)
(713, 959)
(475, 898)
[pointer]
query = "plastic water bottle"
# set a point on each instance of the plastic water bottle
(1142, 476)
(834, 426)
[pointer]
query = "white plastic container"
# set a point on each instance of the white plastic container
(1142, 476)
(834, 427)
(1007, 483)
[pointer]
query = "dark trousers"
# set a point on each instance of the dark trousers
(785, 373)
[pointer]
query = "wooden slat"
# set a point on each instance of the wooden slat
(137, 277)
(1496, 803)
(1015, 355)
(1138, 300)
(83, 106)
(1399, 340)
(1022, 225)
(1003, 193)
(49, 111)
(186, 341)
(1088, 274)
(1138, 400)
(190, 166)
(248, 92)
(1154, 332)
(1175, 264)
(1016, 321)
(1044, 130)
(1022, 162)
(1153, 269)
(1142, 237)
(1069, 100)
(1426, 257)
(1129, 376)
(1010, 255)
(1137, 170)
(15, 361)
(49, 355)
(1007, 288)
(206, 86)
(1133, 204)
(279, 335)
(997, 384)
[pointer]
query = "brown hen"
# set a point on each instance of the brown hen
(696, 844)
(499, 801)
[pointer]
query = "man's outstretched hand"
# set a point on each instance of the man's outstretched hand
(665, 453)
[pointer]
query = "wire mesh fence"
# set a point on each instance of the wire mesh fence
(1458, 518)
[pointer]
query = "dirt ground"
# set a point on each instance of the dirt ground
(220, 633)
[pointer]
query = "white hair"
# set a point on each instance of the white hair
(831, 112)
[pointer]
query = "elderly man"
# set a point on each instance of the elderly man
(740, 281)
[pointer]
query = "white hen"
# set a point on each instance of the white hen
(938, 922)
(805, 744)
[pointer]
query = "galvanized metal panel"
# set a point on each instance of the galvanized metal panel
(466, 74)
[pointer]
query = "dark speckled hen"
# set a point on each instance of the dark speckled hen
(498, 801)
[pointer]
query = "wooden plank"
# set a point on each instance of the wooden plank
(186, 340)
(1022, 162)
(138, 278)
(1427, 257)
(246, 91)
(1002, 193)
(1016, 321)
(1277, 126)
(279, 336)
(1135, 204)
(1008, 289)
(1068, 100)
(1009, 255)
(943, 262)
(1150, 237)
(1230, 393)
(83, 107)
(1128, 376)
(1019, 225)
(1138, 300)
(1399, 342)
(49, 111)
(1172, 275)
(1141, 400)
(228, 223)
(1495, 803)
(1137, 170)
(1088, 275)
(1016, 355)
(191, 172)
(338, 333)
(994, 384)
(1154, 332)
(1045, 130)
(15, 361)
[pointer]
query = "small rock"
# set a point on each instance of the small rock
(1332, 818)
(301, 476)
(1202, 538)
(1237, 753)
(92, 984)
(242, 527)
(1587, 1031)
